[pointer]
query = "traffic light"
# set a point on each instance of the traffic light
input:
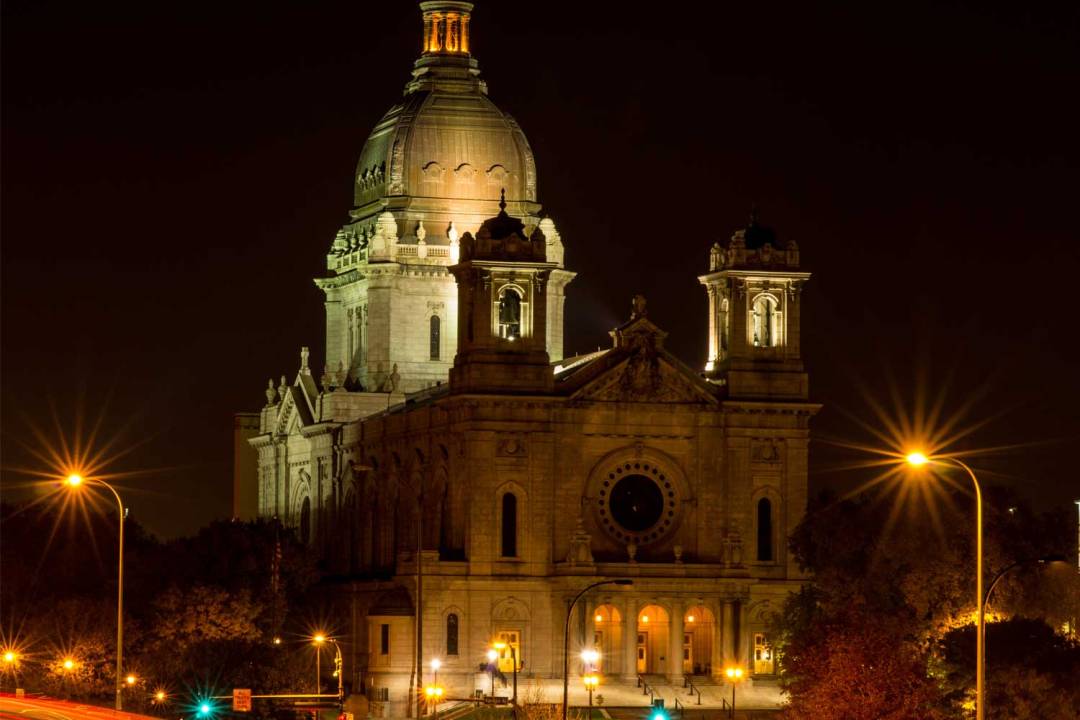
(658, 711)
(204, 709)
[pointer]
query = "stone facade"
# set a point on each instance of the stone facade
(489, 484)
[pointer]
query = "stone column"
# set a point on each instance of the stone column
(727, 635)
(716, 655)
(629, 640)
(675, 643)
(590, 625)
(743, 640)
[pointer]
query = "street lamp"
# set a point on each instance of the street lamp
(492, 656)
(500, 646)
(318, 641)
(918, 459)
(75, 481)
(566, 635)
(591, 681)
(434, 695)
(436, 663)
(734, 676)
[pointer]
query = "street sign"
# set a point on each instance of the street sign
(241, 699)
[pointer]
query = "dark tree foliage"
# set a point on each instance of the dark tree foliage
(200, 613)
(890, 609)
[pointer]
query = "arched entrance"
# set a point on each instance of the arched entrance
(607, 637)
(699, 640)
(652, 641)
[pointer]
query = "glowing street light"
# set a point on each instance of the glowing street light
(501, 646)
(75, 481)
(918, 459)
(566, 635)
(492, 656)
(318, 641)
(11, 657)
(734, 676)
(591, 681)
(130, 679)
(436, 663)
(159, 697)
(69, 664)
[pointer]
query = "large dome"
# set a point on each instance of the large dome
(446, 151)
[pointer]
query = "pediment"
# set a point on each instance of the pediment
(646, 377)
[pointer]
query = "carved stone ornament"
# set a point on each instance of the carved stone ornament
(631, 551)
(271, 394)
(678, 550)
(765, 451)
(511, 447)
(580, 552)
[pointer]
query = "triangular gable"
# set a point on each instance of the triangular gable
(646, 377)
(293, 411)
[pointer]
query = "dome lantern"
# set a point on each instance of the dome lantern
(446, 27)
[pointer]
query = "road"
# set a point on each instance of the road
(39, 709)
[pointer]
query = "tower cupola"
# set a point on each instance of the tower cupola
(754, 285)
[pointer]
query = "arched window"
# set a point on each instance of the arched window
(509, 314)
(509, 525)
(765, 322)
(764, 530)
(433, 336)
(305, 521)
(452, 634)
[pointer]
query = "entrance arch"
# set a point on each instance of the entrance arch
(652, 640)
(607, 637)
(699, 640)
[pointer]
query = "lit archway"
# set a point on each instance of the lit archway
(652, 640)
(607, 637)
(699, 640)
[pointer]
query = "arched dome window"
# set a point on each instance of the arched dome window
(766, 321)
(509, 525)
(764, 530)
(434, 335)
(305, 521)
(452, 634)
(509, 314)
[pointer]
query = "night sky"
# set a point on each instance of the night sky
(173, 174)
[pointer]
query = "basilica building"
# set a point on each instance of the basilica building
(468, 480)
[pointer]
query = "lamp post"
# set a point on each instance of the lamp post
(339, 670)
(917, 459)
(566, 635)
(500, 646)
(591, 681)
(76, 480)
(318, 641)
(492, 656)
(735, 676)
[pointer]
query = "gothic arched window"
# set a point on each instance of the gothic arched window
(509, 314)
(764, 530)
(509, 525)
(434, 335)
(452, 634)
(766, 322)
(305, 521)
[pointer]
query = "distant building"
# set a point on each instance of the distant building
(448, 417)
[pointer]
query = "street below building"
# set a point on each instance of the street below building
(39, 708)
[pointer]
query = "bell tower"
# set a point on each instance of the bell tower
(754, 286)
(502, 305)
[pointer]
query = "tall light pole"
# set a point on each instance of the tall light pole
(318, 641)
(500, 646)
(566, 635)
(918, 459)
(735, 676)
(76, 480)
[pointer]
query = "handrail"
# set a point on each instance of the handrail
(646, 690)
(680, 708)
(687, 682)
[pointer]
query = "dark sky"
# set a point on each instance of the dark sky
(173, 174)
